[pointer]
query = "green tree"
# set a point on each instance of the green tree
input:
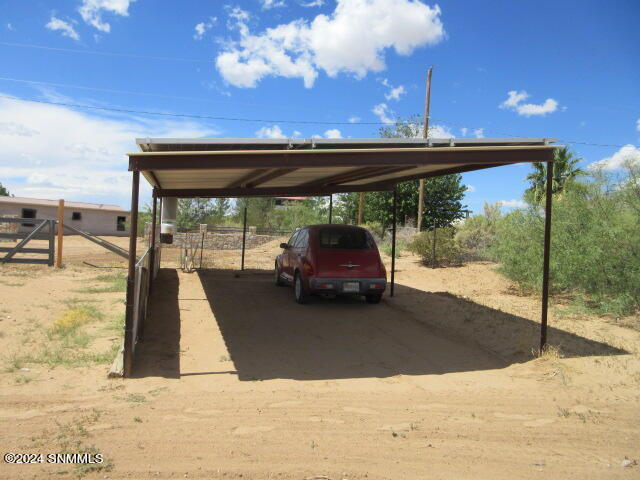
(3, 191)
(443, 195)
(221, 207)
(565, 172)
(194, 211)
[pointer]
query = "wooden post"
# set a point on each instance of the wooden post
(244, 237)
(330, 208)
(546, 255)
(425, 135)
(393, 241)
(131, 276)
(360, 208)
(60, 232)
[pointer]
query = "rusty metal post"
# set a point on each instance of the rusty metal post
(547, 252)
(330, 207)
(244, 237)
(131, 275)
(393, 241)
(60, 232)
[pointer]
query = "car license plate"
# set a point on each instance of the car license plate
(351, 287)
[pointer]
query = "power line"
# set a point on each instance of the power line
(144, 94)
(261, 120)
(187, 115)
(108, 54)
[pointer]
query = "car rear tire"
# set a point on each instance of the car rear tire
(278, 279)
(300, 293)
(375, 298)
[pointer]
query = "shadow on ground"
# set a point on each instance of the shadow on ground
(158, 354)
(268, 335)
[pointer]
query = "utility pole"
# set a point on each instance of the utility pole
(425, 135)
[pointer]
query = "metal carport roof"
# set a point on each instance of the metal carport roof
(270, 167)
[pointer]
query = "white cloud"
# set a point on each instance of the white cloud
(270, 132)
(65, 27)
(91, 11)
(394, 92)
(464, 131)
(202, 27)
(512, 203)
(514, 98)
(627, 154)
(479, 132)
(638, 125)
(267, 4)
(353, 39)
(439, 131)
(55, 152)
(10, 27)
(312, 3)
(514, 102)
(471, 188)
(333, 133)
(383, 112)
(354, 119)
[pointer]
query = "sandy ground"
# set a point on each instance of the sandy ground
(235, 380)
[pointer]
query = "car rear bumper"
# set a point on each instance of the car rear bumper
(366, 286)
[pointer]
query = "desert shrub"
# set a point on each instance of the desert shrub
(475, 234)
(595, 250)
(401, 245)
(376, 229)
(447, 251)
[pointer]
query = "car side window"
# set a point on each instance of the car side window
(303, 239)
(293, 239)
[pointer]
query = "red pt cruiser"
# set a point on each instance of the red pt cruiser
(331, 259)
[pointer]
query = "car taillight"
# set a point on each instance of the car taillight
(307, 268)
(374, 286)
(326, 286)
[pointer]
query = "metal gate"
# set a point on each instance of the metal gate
(43, 230)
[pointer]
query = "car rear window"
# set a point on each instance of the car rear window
(345, 238)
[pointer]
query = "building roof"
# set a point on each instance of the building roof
(54, 203)
(244, 167)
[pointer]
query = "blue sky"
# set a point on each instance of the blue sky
(567, 70)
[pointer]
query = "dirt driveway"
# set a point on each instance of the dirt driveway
(235, 380)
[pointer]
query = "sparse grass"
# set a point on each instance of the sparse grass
(22, 379)
(134, 398)
(550, 352)
(59, 354)
(116, 282)
(67, 328)
(11, 284)
(224, 358)
(137, 419)
(157, 391)
(74, 302)
(13, 362)
(71, 437)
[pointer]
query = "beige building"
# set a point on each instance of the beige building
(98, 219)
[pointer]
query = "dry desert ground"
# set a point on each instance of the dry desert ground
(235, 380)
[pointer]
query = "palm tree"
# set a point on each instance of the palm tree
(565, 171)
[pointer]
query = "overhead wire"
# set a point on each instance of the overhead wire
(256, 120)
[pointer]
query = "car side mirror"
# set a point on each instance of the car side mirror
(284, 245)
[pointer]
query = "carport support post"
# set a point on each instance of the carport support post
(244, 236)
(547, 251)
(393, 241)
(330, 207)
(131, 276)
(152, 242)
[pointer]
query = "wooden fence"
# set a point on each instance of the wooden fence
(38, 233)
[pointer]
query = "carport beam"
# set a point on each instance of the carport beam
(133, 234)
(244, 236)
(393, 241)
(547, 251)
